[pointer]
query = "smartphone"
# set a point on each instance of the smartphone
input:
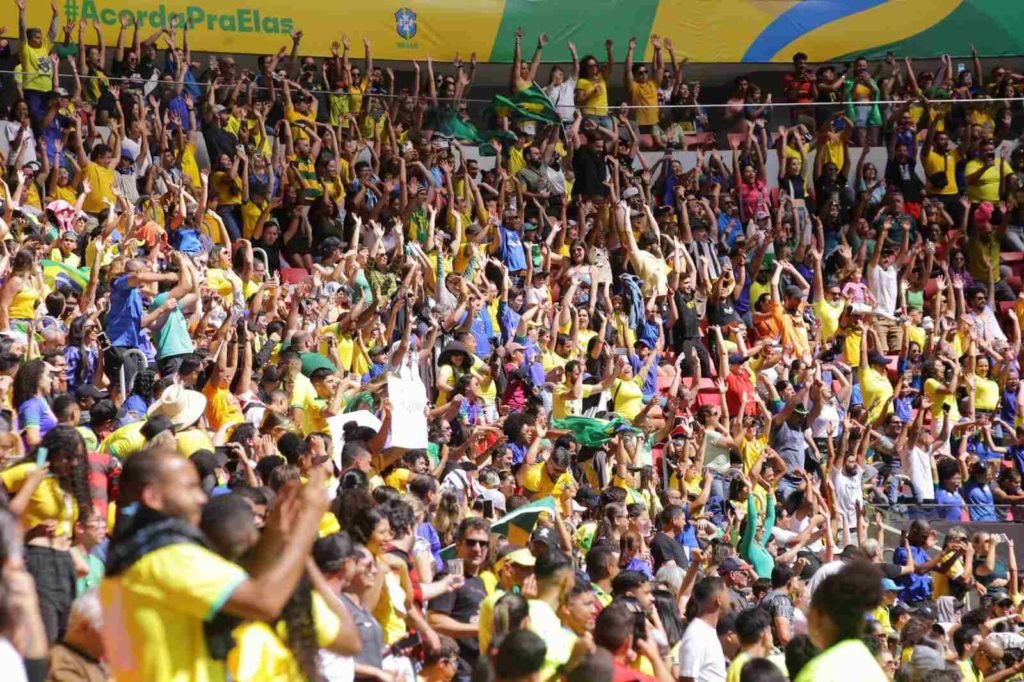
(826, 376)
(488, 509)
(41, 456)
(407, 644)
(223, 450)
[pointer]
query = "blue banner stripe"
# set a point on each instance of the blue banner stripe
(800, 20)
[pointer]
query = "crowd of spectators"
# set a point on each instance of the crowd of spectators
(686, 419)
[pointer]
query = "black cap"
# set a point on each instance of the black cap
(90, 391)
(877, 358)
(103, 411)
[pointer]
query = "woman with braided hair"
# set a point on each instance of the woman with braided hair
(50, 498)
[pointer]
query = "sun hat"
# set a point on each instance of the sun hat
(179, 404)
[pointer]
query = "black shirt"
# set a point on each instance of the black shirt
(591, 171)
(665, 548)
(463, 605)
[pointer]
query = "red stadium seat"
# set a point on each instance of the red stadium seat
(293, 275)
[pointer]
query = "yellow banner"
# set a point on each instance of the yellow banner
(396, 30)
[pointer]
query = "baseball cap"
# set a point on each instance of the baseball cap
(795, 292)
(877, 358)
(219, 109)
(520, 556)
(512, 346)
(731, 564)
(61, 92)
(90, 391)
(630, 192)
(888, 585)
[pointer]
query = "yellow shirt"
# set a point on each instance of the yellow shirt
(986, 187)
(931, 391)
(834, 152)
(66, 193)
(875, 390)
(828, 315)
(653, 271)
(298, 133)
(934, 162)
(750, 450)
(36, 69)
(251, 212)
(229, 191)
(304, 397)
(399, 479)
(628, 397)
(49, 502)
(101, 179)
(222, 407)
(154, 614)
(537, 481)
(645, 95)
(598, 104)
(986, 394)
(23, 305)
(545, 624)
(125, 441)
(189, 165)
(260, 654)
(191, 441)
(564, 405)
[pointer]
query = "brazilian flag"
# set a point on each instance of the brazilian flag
(56, 273)
(591, 432)
(530, 103)
(517, 525)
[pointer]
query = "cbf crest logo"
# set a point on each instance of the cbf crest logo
(405, 23)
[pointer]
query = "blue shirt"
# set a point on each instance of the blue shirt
(518, 453)
(1016, 453)
(651, 380)
(951, 505)
(124, 319)
(483, 332)
(980, 504)
(508, 320)
(729, 229)
(916, 588)
(512, 253)
(427, 532)
(36, 412)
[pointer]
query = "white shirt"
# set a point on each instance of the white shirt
(920, 461)
(882, 282)
(563, 97)
(848, 493)
(700, 653)
(12, 662)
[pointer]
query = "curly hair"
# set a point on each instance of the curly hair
(64, 442)
(26, 381)
(297, 617)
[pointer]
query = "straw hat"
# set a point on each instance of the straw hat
(182, 406)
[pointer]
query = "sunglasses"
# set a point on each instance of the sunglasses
(476, 543)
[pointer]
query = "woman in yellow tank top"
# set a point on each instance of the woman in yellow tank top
(22, 291)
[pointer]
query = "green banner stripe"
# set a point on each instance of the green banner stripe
(985, 22)
(588, 23)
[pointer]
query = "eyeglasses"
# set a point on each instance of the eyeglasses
(476, 543)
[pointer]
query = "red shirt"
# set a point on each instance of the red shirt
(737, 385)
(623, 673)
